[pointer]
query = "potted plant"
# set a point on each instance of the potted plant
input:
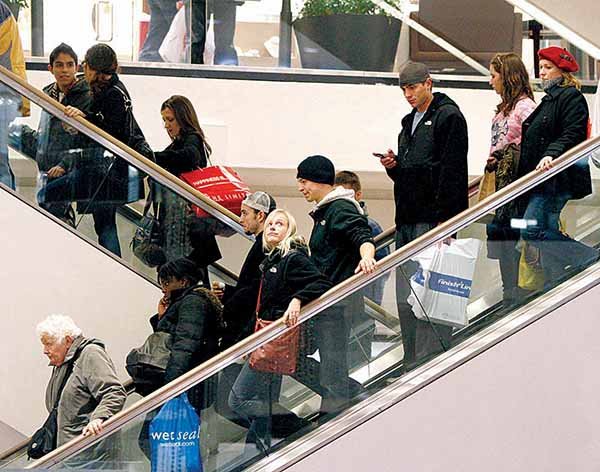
(15, 6)
(347, 34)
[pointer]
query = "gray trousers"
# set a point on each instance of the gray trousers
(420, 339)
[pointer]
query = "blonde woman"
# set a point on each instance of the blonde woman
(288, 280)
(558, 124)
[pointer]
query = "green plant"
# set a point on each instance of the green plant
(21, 3)
(336, 7)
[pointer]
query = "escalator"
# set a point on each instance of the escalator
(385, 381)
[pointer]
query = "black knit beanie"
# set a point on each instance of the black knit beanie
(317, 169)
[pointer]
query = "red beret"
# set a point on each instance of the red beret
(562, 58)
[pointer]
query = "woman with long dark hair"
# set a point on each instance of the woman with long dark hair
(510, 80)
(103, 184)
(558, 124)
(183, 234)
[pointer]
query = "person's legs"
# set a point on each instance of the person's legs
(105, 225)
(332, 328)
(8, 112)
(225, 12)
(199, 23)
(162, 13)
(558, 251)
(252, 396)
(408, 321)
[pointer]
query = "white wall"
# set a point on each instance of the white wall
(528, 404)
(46, 269)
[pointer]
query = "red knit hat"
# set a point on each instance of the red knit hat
(562, 58)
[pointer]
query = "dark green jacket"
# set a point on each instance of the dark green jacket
(51, 143)
(340, 228)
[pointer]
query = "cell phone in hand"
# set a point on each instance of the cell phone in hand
(379, 155)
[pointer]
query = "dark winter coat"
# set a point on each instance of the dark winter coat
(184, 154)
(431, 178)
(99, 177)
(185, 235)
(340, 228)
(192, 320)
(50, 144)
(284, 278)
(558, 124)
(239, 301)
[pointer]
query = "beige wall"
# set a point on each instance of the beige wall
(528, 404)
(46, 269)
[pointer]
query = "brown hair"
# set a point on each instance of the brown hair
(186, 116)
(103, 59)
(349, 178)
(515, 81)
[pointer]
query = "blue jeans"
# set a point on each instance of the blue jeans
(162, 13)
(252, 397)
(8, 112)
(558, 251)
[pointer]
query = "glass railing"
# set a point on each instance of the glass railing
(441, 279)
(354, 35)
(91, 181)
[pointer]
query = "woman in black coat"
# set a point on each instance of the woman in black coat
(289, 279)
(558, 124)
(101, 184)
(191, 314)
(183, 235)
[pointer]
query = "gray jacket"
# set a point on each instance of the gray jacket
(93, 391)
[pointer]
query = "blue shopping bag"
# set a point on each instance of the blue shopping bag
(175, 438)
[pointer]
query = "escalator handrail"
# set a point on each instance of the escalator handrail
(337, 293)
(473, 187)
(142, 163)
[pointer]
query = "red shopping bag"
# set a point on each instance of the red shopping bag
(221, 184)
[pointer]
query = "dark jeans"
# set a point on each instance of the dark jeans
(224, 14)
(162, 13)
(420, 338)
(501, 245)
(558, 251)
(252, 397)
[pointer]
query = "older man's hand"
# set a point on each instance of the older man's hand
(93, 428)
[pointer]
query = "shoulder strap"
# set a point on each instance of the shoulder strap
(70, 371)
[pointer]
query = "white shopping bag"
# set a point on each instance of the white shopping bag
(441, 286)
(172, 48)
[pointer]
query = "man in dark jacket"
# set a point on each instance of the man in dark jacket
(430, 186)
(51, 144)
(341, 245)
(239, 301)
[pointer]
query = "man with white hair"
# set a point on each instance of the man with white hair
(84, 386)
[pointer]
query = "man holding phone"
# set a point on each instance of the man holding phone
(430, 186)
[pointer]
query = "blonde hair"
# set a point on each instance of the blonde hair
(569, 80)
(290, 239)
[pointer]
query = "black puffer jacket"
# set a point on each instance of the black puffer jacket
(555, 126)
(51, 143)
(431, 178)
(192, 320)
(239, 301)
(291, 276)
(340, 228)
(184, 154)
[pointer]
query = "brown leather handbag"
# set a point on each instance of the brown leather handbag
(279, 355)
